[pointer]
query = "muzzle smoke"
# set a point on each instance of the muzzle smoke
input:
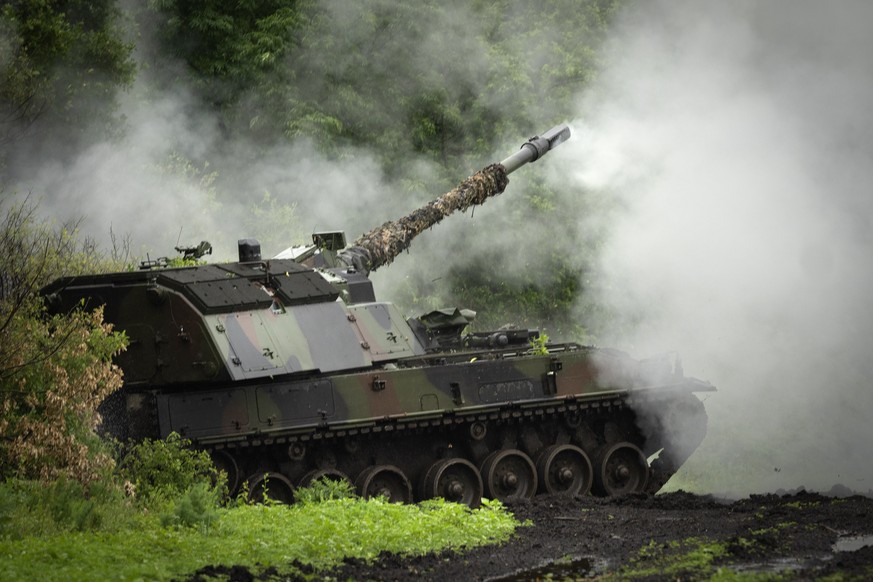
(738, 143)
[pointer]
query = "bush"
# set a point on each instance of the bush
(54, 370)
(164, 470)
(324, 489)
(198, 506)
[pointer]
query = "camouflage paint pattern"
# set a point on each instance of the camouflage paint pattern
(381, 245)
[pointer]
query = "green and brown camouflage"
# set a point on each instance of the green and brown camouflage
(289, 369)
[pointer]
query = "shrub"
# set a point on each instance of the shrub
(54, 370)
(198, 506)
(164, 470)
(324, 489)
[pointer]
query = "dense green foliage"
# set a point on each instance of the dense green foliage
(62, 63)
(165, 469)
(229, 47)
(398, 78)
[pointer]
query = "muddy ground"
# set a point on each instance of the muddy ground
(675, 536)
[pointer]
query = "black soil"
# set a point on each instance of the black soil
(802, 536)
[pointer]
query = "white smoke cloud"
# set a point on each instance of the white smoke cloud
(147, 187)
(138, 184)
(739, 142)
(124, 184)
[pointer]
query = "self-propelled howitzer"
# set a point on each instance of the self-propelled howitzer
(289, 370)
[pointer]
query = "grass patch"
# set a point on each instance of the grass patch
(164, 515)
(690, 559)
(774, 529)
(692, 556)
(257, 536)
(803, 504)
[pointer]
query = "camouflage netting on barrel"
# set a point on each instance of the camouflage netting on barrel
(381, 245)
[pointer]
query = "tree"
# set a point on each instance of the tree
(229, 46)
(54, 369)
(62, 63)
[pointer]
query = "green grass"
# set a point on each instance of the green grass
(690, 559)
(257, 536)
(163, 514)
(691, 556)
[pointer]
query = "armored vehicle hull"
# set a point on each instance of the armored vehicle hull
(288, 370)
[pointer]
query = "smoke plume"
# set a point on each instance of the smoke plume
(736, 141)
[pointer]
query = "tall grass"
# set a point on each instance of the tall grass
(163, 515)
(317, 533)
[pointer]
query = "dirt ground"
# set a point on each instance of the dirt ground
(675, 536)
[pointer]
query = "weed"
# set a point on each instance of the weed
(693, 556)
(67, 503)
(32, 508)
(319, 535)
(539, 345)
(324, 489)
(162, 470)
(198, 506)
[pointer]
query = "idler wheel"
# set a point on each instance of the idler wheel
(270, 485)
(573, 419)
(565, 470)
(296, 451)
(509, 474)
(386, 481)
(622, 469)
(224, 461)
(328, 474)
(454, 480)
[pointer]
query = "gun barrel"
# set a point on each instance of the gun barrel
(382, 244)
(536, 147)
